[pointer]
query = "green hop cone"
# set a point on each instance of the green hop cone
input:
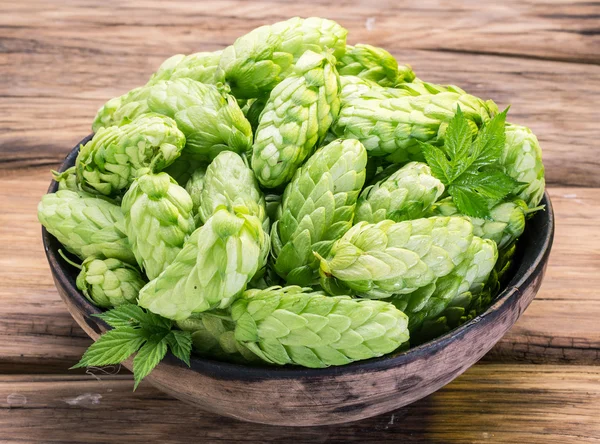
(158, 220)
(213, 335)
(201, 66)
(212, 269)
(448, 297)
(522, 160)
(290, 326)
(371, 63)
(194, 187)
(406, 194)
(211, 121)
(109, 162)
(506, 223)
(109, 282)
(259, 60)
(353, 87)
(380, 260)
(230, 183)
(317, 208)
(86, 225)
(393, 127)
(67, 180)
(295, 119)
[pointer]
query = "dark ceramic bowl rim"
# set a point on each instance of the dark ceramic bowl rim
(225, 370)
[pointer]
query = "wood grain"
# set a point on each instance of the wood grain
(541, 60)
(498, 403)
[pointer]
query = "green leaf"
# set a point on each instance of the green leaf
(180, 343)
(469, 202)
(151, 353)
(113, 347)
(491, 140)
(458, 142)
(126, 315)
(437, 161)
(492, 184)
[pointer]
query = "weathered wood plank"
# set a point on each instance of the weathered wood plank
(503, 403)
(512, 53)
(35, 328)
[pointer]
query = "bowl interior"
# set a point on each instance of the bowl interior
(532, 252)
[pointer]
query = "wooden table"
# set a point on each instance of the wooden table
(58, 64)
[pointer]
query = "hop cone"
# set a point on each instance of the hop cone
(183, 168)
(378, 261)
(522, 160)
(230, 183)
(506, 223)
(67, 180)
(194, 187)
(259, 60)
(109, 162)
(158, 220)
(201, 66)
(109, 282)
(212, 269)
(406, 194)
(354, 87)
(85, 225)
(317, 208)
(392, 128)
(213, 335)
(371, 63)
(450, 294)
(296, 117)
(288, 326)
(211, 122)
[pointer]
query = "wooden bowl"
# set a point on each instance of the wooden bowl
(297, 396)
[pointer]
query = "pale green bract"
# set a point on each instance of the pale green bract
(211, 121)
(259, 60)
(86, 225)
(505, 225)
(109, 282)
(317, 208)
(212, 269)
(353, 87)
(295, 119)
(230, 183)
(290, 325)
(406, 194)
(214, 335)
(369, 62)
(380, 260)
(522, 160)
(455, 289)
(393, 127)
(109, 162)
(158, 220)
(201, 66)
